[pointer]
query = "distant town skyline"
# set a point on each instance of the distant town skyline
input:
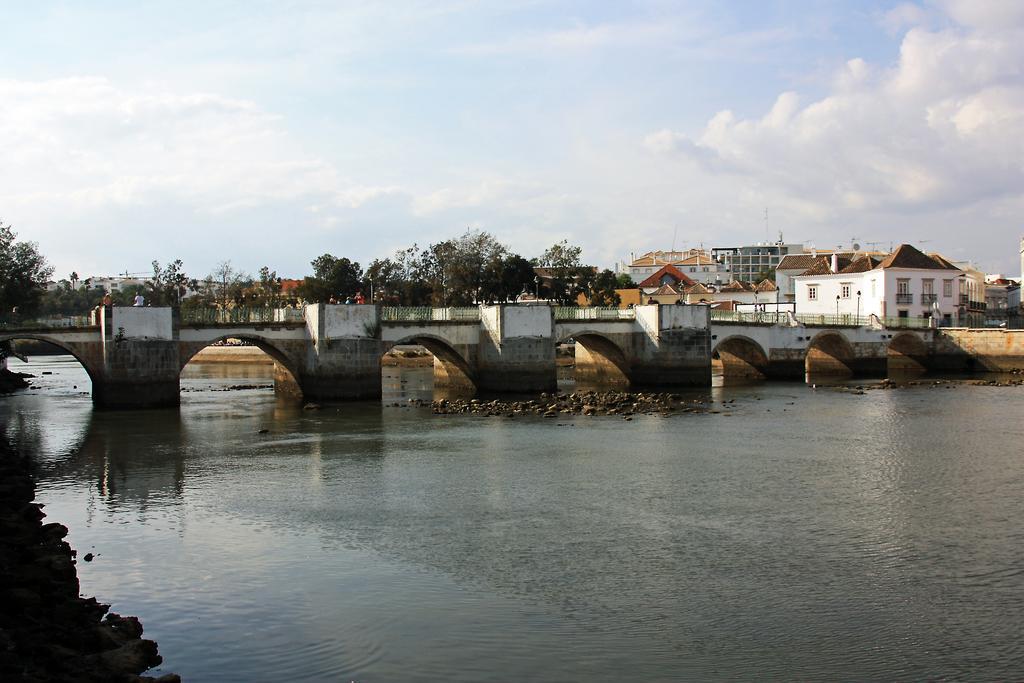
(268, 135)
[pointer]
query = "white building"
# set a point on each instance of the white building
(906, 283)
(795, 264)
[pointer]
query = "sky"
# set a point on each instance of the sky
(268, 133)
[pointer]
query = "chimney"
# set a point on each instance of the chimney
(814, 253)
(835, 262)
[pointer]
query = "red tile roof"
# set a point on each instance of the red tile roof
(907, 256)
(670, 270)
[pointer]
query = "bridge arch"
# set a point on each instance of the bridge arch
(829, 353)
(907, 353)
(740, 357)
(68, 347)
(286, 370)
(599, 360)
(451, 368)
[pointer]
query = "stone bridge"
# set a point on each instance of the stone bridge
(771, 351)
(134, 356)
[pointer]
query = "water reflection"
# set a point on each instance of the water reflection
(802, 533)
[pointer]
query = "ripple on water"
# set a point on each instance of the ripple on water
(814, 535)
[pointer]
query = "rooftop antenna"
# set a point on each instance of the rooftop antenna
(675, 232)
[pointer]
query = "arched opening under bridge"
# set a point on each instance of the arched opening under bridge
(829, 355)
(239, 362)
(422, 366)
(52, 364)
(739, 358)
(599, 362)
(907, 354)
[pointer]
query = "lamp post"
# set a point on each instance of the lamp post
(858, 306)
(536, 281)
(837, 307)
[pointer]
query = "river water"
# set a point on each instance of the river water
(798, 533)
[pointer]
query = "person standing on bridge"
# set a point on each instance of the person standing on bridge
(360, 299)
(139, 300)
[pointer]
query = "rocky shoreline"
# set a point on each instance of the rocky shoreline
(12, 381)
(624, 404)
(47, 631)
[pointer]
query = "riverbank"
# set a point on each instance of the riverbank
(12, 381)
(48, 632)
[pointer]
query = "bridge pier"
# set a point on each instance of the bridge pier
(140, 366)
(343, 359)
(517, 349)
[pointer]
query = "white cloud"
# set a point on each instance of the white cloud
(943, 127)
(86, 143)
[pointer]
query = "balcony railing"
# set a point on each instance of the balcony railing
(904, 298)
(928, 299)
(239, 315)
(593, 313)
(427, 313)
(963, 299)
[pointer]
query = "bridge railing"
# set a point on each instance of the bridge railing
(763, 317)
(833, 320)
(429, 314)
(57, 322)
(593, 313)
(914, 323)
(239, 315)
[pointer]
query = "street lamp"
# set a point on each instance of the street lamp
(837, 305)
(536, 280)
(858, 306)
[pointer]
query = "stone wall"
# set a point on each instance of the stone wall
(978, 350)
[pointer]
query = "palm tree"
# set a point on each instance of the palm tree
(74, 279)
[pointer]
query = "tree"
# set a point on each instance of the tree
(568, 276)
(624, 281)
(170, 284)
(23, 273)
(267, 290)
(512, 275)
(332, 277)
(602, 289)
(228, 284)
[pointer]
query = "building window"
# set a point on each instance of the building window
(812, 292)
(947, 288)
(903, 286)
(873, 295)
(845, 290)
(928, 286)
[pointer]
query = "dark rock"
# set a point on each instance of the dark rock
(48, 632)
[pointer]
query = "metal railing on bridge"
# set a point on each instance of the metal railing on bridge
(911, 323)
(833, 320)
(593, 313)
(753, 317)
(429, 314)
(56, 322)
(240, 315)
